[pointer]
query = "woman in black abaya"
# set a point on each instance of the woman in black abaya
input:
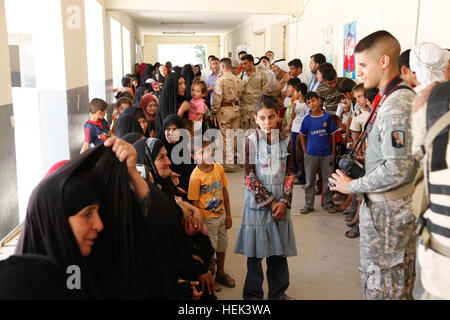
(124, 258)
(171, 99)
(152, 154)
(128, 123)
(188, 74)
(173, 137)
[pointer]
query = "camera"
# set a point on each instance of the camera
(350, 166)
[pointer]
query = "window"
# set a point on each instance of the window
(95, 49)
(126, 47)
(116, 47)
(181, 54)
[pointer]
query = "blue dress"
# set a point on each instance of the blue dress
(260, 235)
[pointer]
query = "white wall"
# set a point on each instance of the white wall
(151, 44)
(305, 35)
(259, 33)
(397, 17)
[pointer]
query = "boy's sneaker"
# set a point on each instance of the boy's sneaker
(306, 210)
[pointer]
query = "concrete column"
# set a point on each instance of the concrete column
(9, 206)
(75, 56)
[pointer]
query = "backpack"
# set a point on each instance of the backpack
(438, 122)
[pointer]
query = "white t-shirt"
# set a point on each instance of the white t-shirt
(301, 110)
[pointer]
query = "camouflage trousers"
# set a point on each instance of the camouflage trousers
(247, 120)
(228, 118)
(387, 248)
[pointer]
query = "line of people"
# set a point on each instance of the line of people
(136, 222)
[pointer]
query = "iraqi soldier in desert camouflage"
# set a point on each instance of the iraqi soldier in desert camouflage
(227, 92)
(255, 84)
(387, 223)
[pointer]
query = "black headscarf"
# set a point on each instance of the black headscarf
(126, 260)
(184, 169)
(188, 74)
(148, 73)
(132, 137)
(183, 247)
(127, 123)
(147, 151)
(140, 92)
(176, 69)
(169, 100)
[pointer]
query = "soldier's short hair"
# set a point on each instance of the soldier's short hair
(249, 58)
(226, 62)
(373, 40)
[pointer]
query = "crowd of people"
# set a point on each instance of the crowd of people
(139, 223)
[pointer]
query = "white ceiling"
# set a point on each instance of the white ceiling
(213, 23)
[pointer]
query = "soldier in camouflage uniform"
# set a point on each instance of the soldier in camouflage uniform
(387, 223)
(227, 91)
(255, 83)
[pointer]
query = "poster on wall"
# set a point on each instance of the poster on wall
(327, 45)
(349, 50)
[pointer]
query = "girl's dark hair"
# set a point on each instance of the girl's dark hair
(266, 101)
(123, 100)
(125, 94)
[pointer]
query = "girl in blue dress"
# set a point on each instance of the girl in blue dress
(266, 229)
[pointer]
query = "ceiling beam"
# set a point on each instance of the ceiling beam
(289, 7)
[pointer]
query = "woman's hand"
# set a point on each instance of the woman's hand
(124, 152)
(192, 215)
(207, 280)
(195, 294)
(175, 177)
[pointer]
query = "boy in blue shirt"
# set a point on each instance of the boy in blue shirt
(319, 150)
(96, 129)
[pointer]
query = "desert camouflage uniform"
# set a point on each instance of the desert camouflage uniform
(254, 85)
(387, 238)
(227, 92)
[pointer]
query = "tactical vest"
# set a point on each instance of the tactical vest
(436, 234)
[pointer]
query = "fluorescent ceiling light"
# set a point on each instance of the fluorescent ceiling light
(181, 22)
(178, 32)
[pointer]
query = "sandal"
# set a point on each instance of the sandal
(353, 232)
(352, 223)
(350, 216)
(226, 280)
